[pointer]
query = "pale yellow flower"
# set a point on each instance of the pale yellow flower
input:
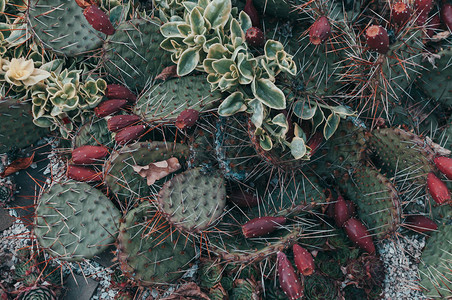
(23, 72)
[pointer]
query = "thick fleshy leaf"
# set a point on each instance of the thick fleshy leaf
(297, 148)
(223, 65)
(304, 109)
(197, 22)
(237, 35)
(272, 48)
(187, 62)
(217, 12)
(317, 120)
(189, 6)
(245, 21)
(246, 68)
(170, 29)
(257, 110)
(184, 30)
(343, 111)
(266, 142)
(268, 93)
(233, 104)
(332, 122)
(298, 131)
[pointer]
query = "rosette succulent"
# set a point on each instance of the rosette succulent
(22, 72)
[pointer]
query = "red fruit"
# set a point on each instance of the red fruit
(400, 13)
(88, 154)
(315, 141)
(433, 25)
(255, 37)
(251, 11)
(446, 15)
(421, 224)
(118, 122)
(423, 8)
(320, 31)
(262, 226)
(351, 207)
(341, 211)
(98, 19)
(437, 189)
(129, 134)
(377, 39)
(243, 199)
(357, 233)
(444, 164)
(303, 260)
(118, 91)
(109, 107)
(288, 280)
(83, 173)
(187, 118)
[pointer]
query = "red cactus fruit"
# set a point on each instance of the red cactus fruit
(251, 11)
(315, 142)
(341, 211)
(434, 23)
(129, 134)
(243, 199)
(423, 8)
(351, 207)
(446, 15)
(320, 31)
(357, 233)
(118, 122)
(98, 19)
(377, 39)
(303, 260)
(109, 107)
(421, 224)
(437, 189)
(262, 226)
(187, 118)
(444, 164)
(83, 173)
(118, 91)
(400, 13)
(288, 280)
(255, 37)
(88, 154)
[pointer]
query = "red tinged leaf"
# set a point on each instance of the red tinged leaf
(119, 122)
(320, 31)
(243, 199)
(446, 15)
(421, 224)
(444, 165)
(262, 226)
(17, 165)
(423, 8)
(288, 280)
(118, 91)
(401, 13)
(129, 134)
(83, 174)
(255, 37)
(99, 20)
(303, 260)
(187, 118)
(357, 233)
(88, 154)
(109, 107)
(167, 73)
(377, 39)
(437, 189)
(341, 211)
(251, 11)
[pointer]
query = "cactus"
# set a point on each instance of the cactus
(146, 255)
(193, 200)
(93, 133)
(37, 293)
(75, 221)
(319, 287)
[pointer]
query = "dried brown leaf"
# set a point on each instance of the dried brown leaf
(17, 165)
(167, 73)
(157, 170)
(189, 291)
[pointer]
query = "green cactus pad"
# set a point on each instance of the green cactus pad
(376, 198)
(436, 264)
(124, 182)
(133, 55)
(165, 101)
(61, 26)
(193, 200)
(75, 221)
(17, 128)
(155, 257)
(93, 133)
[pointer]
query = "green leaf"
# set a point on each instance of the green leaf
(298, 131)
(237, 35)
(217, 12)
(332, 122)
(184, 29)
(187, 61)
(246, 68)
(189, 6)
(170, 29)
(197, 22)
(304, 109)
(266, 142)
(317, 120)
(343, 111)
(233, 104)
(245, 21)
(271, 48)
(257, 110)
(268, 93)
(223, 65)
(297, 148)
